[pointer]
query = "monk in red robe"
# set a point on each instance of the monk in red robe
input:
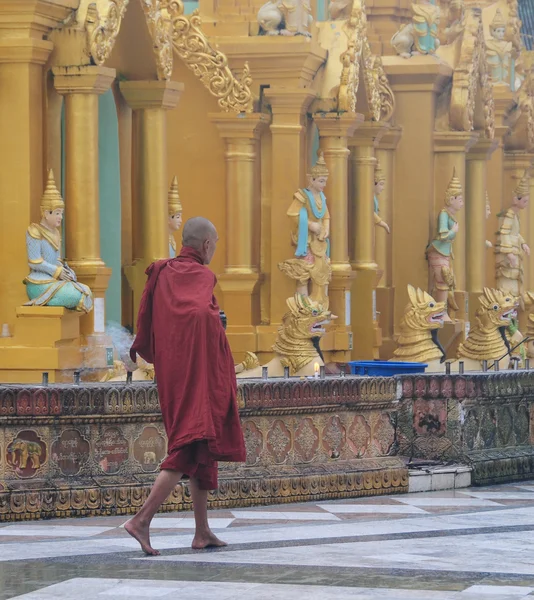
(180, 332)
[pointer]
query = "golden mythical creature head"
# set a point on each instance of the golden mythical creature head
(423, 312)
(498, 22)
(454, 189)
(51, 199)
(319, 169)
(497, 309)
(523, 187)
(175, 206)
(380, 176)
(306, 318)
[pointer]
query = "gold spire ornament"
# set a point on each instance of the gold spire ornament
(498, 21)
(51, 199)
(319, 169)
(175, 206)
(454, 189)
(523, 187)
(379, 173)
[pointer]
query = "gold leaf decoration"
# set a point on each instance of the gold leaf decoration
(380, 96)
(350, 59)
(160, 29)
(208, 64)
(470, 75)
(102, 31)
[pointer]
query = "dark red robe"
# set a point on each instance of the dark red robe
(179, 331)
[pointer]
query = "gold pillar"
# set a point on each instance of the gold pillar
(149, 101)
(367, 336)
(81, 87)
(385, 292)
(334, 132)
(288, 174)
(22, 56)
(240, 281)
(450, 149)
(476, 252)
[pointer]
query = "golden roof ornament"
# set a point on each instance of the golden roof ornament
(379, 173)
(523, 187)
(51, 198)
(454, 189)
(498, 21)
(175, 206)
(319, 169)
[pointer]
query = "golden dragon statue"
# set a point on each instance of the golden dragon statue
(297, 342)
(418, 339)
(487, 339)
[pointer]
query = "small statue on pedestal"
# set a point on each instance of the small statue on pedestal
(51, 281)
(439, 252)
(420, 36)
(499, 52)
(175, 215)
(510, 245)
(309, 233)
(380, 183)
(285, 17)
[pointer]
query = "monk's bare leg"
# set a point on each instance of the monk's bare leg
(204, 536)
(138, 527)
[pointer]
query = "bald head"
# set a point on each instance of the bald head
(200, 234)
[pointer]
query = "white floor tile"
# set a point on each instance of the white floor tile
(498, 591)
(291, 516)
(45, 530)
(448, 502)
(401, 509)
(501, 495)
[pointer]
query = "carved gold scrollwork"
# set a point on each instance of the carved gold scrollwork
(102, 31)
(160, 28)
(350, 59)
(379, 93)
(470, 75)
(208, 64)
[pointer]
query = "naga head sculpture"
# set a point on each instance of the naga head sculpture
(423, 312)
(497, 309)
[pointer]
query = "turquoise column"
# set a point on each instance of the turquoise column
(110, 200)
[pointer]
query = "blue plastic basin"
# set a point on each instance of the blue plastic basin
(381, 368)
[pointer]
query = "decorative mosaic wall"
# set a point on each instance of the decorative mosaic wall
(482, 419)
(96, 449)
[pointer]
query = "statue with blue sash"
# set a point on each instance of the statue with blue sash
(310, 231)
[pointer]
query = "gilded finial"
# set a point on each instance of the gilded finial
(175, 206)
(319, 169)
(498, 21)
(454, 189)
(51, 198)
(379, 173)
(523, 187)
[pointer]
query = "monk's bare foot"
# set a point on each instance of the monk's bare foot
(141, 533)
(207, 539)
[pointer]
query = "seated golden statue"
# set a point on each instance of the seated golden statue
(511, 246)
(310, 230)
(499, 52)
(51, 281)
(439, 251)
(175, 215)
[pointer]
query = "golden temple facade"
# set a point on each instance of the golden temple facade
(119, 96)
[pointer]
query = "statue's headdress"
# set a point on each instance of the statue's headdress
(498, 21)
(51, 198)
(454, 189)
(319, 169)
(523, 187)
(175, 206)
(379, 174)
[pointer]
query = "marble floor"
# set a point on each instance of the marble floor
(469, 544)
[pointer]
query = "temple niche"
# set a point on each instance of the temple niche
(240, 104)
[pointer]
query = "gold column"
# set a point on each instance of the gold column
(476, 252)
(450, 149)
(23, 53)
(334, 131)
(288, 174)
(241, 277)
(367, 336)
(81, 87)
(385, 292)
(149, 101)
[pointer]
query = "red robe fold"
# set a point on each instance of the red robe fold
(179, 331)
